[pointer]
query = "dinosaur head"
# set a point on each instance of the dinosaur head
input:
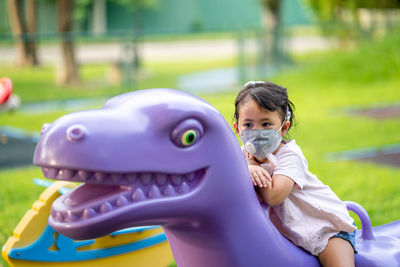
(150, 157)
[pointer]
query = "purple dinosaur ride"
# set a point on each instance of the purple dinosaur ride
(164, 157)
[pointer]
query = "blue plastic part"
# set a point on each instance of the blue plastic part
(67, 247)
(45, 183)
(133, 230)
(19, 133)
(64, 190)
(41, 182)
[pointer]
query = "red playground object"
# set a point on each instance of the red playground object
(5, 89)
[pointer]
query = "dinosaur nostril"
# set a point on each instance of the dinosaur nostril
(44, 127)
(76, 133)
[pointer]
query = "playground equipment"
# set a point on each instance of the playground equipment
(8, 100)
(164, 157)
(5, 89)
(34, 243)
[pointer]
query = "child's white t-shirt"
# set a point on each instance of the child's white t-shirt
(312, 213)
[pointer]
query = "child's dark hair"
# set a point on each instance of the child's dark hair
(268, 96)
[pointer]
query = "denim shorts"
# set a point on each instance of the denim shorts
(351, 237)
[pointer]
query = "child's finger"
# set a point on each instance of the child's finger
(257, 179)
(262, 178)
(260, 182)
(266, 175)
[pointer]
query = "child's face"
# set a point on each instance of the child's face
(252, 117)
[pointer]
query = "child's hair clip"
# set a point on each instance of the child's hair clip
(253, 83)
(288, 114)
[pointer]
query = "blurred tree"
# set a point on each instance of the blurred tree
(134, 7)
(68, 10)
(273, 24)
(69, 70)
(24, 30)
(327, 10)
(346, 14)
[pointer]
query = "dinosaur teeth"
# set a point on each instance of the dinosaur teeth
(131, 177)
(161, 179)
(100, 176)
(176, 179)
(184, 188)
(105, 207)
(59, 217)
(191, 176)
(45, 172)
(169, 191)
(51, 173)
(154, 192)
(145, 186)
(83, 175)
(145, 178)
(66, 174)
(138, 195)
(71, 217)
(121, 201)
(88, 213)
(116, 178)
(126, 188)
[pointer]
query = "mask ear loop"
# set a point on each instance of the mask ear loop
(271, 158)
(287, 118)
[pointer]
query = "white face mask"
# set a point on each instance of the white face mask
(260, 143)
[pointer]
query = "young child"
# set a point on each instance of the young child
(303, 209)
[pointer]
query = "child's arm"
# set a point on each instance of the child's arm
(252, 161)
(259, 175)
(277, 190)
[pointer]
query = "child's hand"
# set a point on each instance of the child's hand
(259, 176)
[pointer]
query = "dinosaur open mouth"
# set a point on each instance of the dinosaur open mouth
(103, 192)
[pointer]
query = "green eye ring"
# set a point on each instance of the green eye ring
(189, 137)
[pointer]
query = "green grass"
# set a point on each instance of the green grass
(328, 83)
(17, 195)
(37, 84)
(321, 85)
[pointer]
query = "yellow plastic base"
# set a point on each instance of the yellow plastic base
(34, 222)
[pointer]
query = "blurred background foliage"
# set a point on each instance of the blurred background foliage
(356, 19)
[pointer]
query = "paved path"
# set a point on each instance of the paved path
(205, 81)
(164, 51)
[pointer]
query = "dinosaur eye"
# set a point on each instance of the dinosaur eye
(189, 137)
(187, 133)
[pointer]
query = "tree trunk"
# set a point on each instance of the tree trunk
(31, 30)
(99, 19)
(69, 69)
(273, 25)
(24, 46)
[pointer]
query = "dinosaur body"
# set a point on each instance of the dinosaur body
(163, 157)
